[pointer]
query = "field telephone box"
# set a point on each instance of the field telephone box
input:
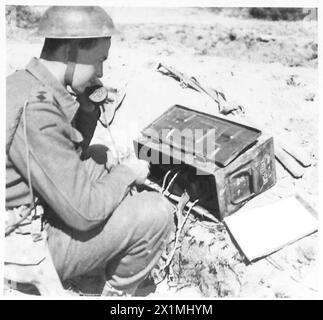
(221, 163)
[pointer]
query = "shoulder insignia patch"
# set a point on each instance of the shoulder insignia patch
(41, 94)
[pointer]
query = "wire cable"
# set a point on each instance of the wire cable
(178, 233)
(165, 178)
(170, 183)
(14, 226)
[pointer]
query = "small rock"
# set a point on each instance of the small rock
(291, 81)
(232, 36)
(310, 96)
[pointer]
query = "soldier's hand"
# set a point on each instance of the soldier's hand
(138, 166)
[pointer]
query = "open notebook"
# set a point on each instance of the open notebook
(261, 231)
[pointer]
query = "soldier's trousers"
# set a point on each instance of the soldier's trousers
(126, 247)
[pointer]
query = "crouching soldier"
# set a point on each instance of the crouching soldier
(92, 222)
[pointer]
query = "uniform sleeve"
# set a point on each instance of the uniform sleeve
(59, 176)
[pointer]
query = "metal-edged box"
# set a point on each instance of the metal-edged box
(219, 162)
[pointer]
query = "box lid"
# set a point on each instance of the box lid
(262, 231)
(206, 136)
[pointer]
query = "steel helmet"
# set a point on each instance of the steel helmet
(76, 22)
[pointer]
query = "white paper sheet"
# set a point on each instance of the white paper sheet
(262, 231)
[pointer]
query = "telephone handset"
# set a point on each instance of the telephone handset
(98, 94)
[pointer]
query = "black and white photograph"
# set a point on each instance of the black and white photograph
(161, 152)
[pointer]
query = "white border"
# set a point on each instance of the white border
(146, 3)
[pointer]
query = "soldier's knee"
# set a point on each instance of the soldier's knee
(157, 212)
(164, 213)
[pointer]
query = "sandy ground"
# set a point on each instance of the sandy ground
(268, 67)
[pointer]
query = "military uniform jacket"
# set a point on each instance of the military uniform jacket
(56, 128)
